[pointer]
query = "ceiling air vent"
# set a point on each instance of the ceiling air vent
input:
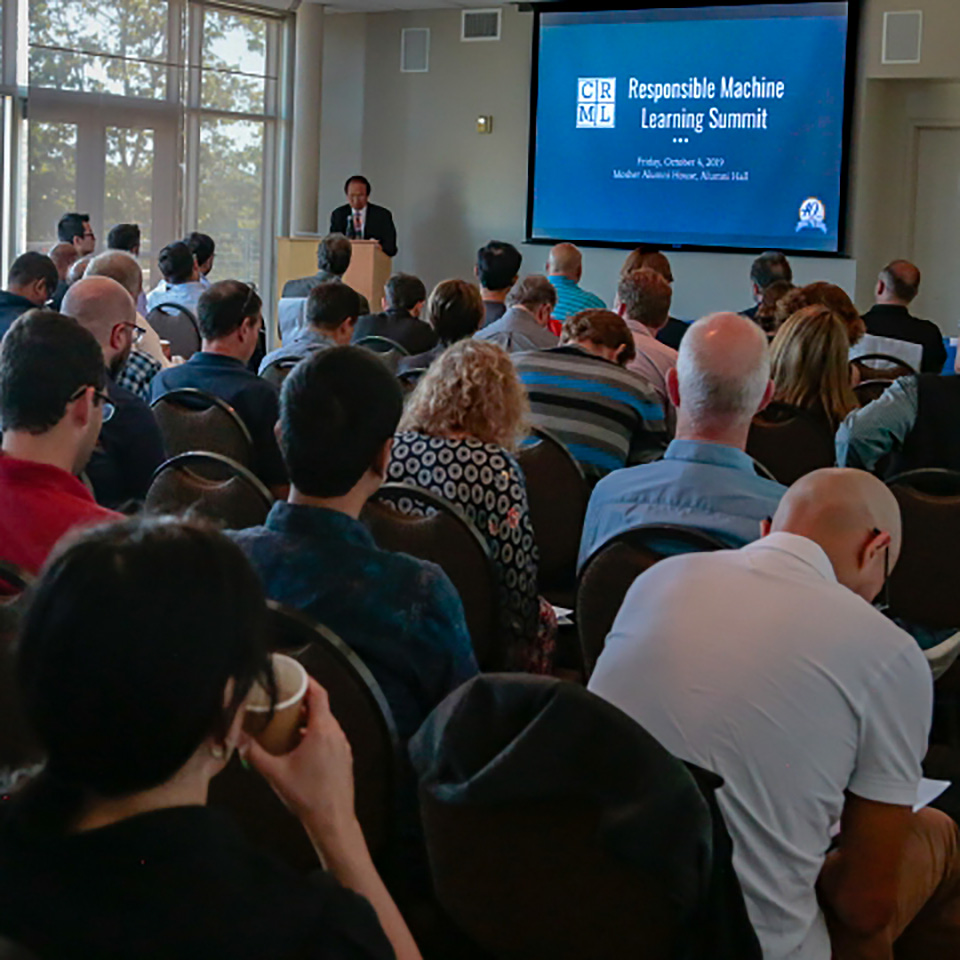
(415, 50)
(902, 35)
(480, 25)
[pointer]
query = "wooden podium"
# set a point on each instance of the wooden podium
(368, 273)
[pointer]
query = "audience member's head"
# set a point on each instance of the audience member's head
(339, 410)
(116, 718)
(455, 310)
(334, 253)
(406, 293)
(602, 333)
(229, 314)
(768, 268)
(78, 268)
(51, 388)
(766, 315)
(63, 255)
(103, 307)
(471, 389)
(357, 189)
(722, 378)
(332, 310)
(827, 295)
(565, 260)
(120, 266)
(74, 228)
(33, 276)
(126, 237)
(645, 259)
(537, 295)
(203, 249)
(178, 264)
(498, 267)
(810, 365)
(898, 283)
(855, 519)
(644, 296)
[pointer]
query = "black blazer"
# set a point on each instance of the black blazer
(378, 226)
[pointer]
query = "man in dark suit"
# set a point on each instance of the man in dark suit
(897, 286)
(403, 299)
(334, 253)
(361, 220)
(31, 282)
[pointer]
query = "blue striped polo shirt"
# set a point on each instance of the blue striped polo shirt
(571, 298)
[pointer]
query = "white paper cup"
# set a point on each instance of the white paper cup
(280, 733)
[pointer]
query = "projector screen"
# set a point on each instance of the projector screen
(711, 127)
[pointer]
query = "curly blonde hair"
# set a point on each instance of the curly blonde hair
(472, 388)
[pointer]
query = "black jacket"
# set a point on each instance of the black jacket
(897, 323)
(378, 226)
(414, 335)
(12, 305)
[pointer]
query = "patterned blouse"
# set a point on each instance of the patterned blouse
(487, 483)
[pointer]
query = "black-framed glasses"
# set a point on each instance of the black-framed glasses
(102, 399)
(882, 603)
(137, 332)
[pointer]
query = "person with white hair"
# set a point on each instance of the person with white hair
(705, 480)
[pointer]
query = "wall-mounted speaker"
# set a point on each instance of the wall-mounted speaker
(902, 36)
(415, 50)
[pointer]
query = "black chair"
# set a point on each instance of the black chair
(357, 702)
(277, 371)
(889, 369)
(557, 494)
(193, 420)
(410, 378)
(380, 344)
(610, 571)
(408, 519)
(174, 322)
(212, 486)
(790, 442)
(869, 390)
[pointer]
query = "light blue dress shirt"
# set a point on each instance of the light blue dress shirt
(186, 294)
(879, 428)
(709, 486)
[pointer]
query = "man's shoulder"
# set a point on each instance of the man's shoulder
(379, 211)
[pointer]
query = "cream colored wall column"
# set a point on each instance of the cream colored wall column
(305, 178)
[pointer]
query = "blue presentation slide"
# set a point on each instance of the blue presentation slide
(713, 126)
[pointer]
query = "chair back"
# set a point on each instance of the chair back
(610, 571)
(790, 442)
(174, 322)
(883, 366)
(410, 378)
(923, 583)
(380, 344)
(212, 486)
(869, 390)
(887, 353)
(557, 494)
(194, 420)
(277, 371)
(409, 519)
(358, 703)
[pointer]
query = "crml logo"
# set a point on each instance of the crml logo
(596, 102)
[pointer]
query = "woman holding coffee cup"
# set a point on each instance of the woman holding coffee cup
(141, 648)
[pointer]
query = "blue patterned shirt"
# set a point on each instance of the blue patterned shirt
(572, 298)
(138, 373)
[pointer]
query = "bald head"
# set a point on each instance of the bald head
(119, 266)
(899, 283)
(104, 308)
(565, 260)
(63, 255)
(855, 519)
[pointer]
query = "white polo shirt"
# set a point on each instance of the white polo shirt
(758, 665)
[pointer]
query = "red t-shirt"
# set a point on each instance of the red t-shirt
(39, 503)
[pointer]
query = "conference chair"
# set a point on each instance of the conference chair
(557, 494)
(790, 442)
(278, 371)
(380, 344)
(212, 486)
(174, 322)
(410, 378)
(882, 366)
(194, 420)
(409, 519)
(611, 569)
(869, 390)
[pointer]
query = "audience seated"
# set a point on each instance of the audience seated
(230, 317)
(403, 300)
(52, 402)
(607, 416)
(125, 237)
(329, 321)
(334, 253)
(455, 311)
(525, 325)
(705, 479)
(497, 270)
(766, 311)
(31, 282)
(136, 662)
(890, 317)
(204, 250)
(564, 271)
(769, 268)
(644, 258)
(643, 300)
(402, 616)
(457, 437)
(814, 708)
(130, 447)
(181, 278)
(75, 229)
(77, 269)
(825, 295)
(810, 368)
(63, 255)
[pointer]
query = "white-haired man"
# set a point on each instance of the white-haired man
(705, 479)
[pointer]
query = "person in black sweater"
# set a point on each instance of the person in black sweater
(403, 300)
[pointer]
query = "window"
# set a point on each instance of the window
(52, 183)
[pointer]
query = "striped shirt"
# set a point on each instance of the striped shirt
(605, 415)
(571, 298)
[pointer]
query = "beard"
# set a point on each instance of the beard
(116, 365)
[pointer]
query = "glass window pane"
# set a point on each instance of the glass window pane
(51, 179)
(234, 61)
(231, 193)
(128, 181)
(67, 35)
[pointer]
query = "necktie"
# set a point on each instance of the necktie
(357, 225)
